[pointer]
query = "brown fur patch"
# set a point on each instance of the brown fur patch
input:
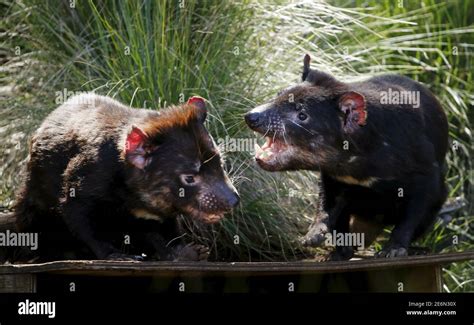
(172, 117)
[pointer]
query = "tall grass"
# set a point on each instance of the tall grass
(238, 54)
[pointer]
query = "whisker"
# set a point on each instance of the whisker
(268, 129)
(283, 133)
(206, 161)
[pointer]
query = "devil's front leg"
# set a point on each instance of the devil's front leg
(315, 236)
(337, 219)
(339, 222)
(327, 204)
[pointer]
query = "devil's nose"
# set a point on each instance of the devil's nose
(252, 119)
(234, 200)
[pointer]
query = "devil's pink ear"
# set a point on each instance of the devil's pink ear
(353, 105)
(135, 139)
(200, 104)
(135, 152)
(197, 101)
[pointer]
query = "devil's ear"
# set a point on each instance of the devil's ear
(354, 109)
(306, 67)
(135, 148)
(200, 104)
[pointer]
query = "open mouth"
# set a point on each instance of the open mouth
(212, 218)
(205, 217)
(270, 150)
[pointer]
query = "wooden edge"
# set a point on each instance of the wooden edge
(18, 283)
(143, 268)
(7, 221)
(439, 278)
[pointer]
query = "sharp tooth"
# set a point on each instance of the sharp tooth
(258, 150)
(268, 143)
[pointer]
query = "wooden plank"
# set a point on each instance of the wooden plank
(7, 221)
(406, 279)
(402, 279)
(439, 278)
(17, 283)
(121, 268)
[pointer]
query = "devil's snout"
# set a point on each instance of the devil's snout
(253, 119)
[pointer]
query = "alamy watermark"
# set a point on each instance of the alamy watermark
(347, 239)
(229, 144)
(400, 97)
(64, 95)
(47, 308)
(21, 239)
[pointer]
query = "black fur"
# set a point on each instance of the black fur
(375, 158)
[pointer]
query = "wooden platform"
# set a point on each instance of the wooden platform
(414, 273)
(421, 273)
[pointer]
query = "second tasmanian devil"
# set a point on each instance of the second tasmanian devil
(380, 157)
(99, 171)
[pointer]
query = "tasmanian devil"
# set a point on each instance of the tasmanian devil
(107, 181)
(379, 144)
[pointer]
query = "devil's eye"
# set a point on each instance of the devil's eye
(302, 116)
(188, 179)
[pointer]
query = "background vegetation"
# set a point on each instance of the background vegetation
(237, 54)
